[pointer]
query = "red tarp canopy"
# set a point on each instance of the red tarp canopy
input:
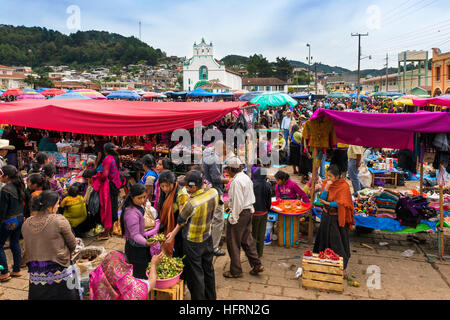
(114, 118)
(384, 130)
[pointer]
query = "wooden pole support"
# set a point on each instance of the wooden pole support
(441, 229)
(312, 193)
(421, 177)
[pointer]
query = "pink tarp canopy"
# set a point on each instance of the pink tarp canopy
(115, 117)
(438, 101)
(384, 130)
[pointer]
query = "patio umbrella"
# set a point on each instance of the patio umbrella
(124, 94)
(354, 95)
(13, 92)
(299, 95)
(30, 95)
(199, 92)
(240, 92)
(148, 95)
(90, 94)
(52, 92)
(273, 99)
(105, 93)
(249, 96)
(70, 96)
(41, 89)
(337, 95)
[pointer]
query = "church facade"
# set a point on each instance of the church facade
(202, 69)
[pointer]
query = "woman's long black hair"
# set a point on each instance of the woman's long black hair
(108, 148)
(40, 180)
(41, 158)
(45, 200)
(16, 179)
(135, 190)
(165, 176)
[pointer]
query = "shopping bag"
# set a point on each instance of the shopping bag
(365, 176)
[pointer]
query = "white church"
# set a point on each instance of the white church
(202, 69)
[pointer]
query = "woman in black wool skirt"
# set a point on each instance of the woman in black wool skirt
(338, 215)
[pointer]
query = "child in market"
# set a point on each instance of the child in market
(74, 209)
(49, 171)
(263, 196)
(288, 189)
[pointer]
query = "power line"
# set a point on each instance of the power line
(423, 29)
(391, 13)
(397, 19)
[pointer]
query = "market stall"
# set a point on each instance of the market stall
(415, 131)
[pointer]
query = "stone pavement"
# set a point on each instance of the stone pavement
(401, 278)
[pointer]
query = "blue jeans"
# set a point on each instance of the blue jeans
(322, 167)
(14, 237)
(353, 175)
(287, 139)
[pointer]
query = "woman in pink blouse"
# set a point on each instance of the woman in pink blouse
(288, 189)
(107, 183)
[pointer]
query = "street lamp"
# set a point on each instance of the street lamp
(309, 64)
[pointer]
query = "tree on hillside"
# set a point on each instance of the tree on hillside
(259, 66)
(283, 69)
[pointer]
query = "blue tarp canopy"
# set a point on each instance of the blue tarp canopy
(179, 93)
(249, 96)
(354, 95)
(123, 94)
(199, 92)
(300, 95)
(70, 96)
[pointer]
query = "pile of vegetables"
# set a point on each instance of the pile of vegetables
(168, 267)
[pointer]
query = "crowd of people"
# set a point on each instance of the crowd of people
(188, 210)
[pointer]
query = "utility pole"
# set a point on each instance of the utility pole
(359, 61)
(140, 31)
(387, 82)
(315, 75)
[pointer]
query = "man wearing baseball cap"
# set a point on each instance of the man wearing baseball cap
(4, 148)
(195, 220)
(239, 226)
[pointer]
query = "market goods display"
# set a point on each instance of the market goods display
(290, 207)
(308, 254)
(168, 267)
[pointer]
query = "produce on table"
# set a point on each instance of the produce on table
(168, 267)
(308, 253)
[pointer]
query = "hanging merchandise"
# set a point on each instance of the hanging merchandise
(320, 133)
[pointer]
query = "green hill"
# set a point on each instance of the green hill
(80, 49)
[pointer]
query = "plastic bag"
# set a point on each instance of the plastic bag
(93, 206)
(408, 253)
(365, 176)
(86, 265)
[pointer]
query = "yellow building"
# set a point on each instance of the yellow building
(440, 67)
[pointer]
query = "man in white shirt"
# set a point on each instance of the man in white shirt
(239, 225)
(286, 125)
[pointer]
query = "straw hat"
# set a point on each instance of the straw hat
(4, 145)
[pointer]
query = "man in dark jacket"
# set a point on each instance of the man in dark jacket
(213, 172)
(263, 196)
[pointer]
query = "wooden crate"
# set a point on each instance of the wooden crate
(327, 276)
(173, 293)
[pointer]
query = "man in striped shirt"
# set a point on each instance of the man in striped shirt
(195, 219)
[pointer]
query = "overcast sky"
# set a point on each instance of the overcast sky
(244, 27)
